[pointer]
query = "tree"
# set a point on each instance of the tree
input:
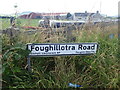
(68, 15)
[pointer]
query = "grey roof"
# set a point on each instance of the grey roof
(84, 14)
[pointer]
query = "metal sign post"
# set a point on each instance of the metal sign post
(28, 63)
(60, 49)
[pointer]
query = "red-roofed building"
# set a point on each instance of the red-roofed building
(40, 15)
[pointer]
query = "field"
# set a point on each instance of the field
(100, 70)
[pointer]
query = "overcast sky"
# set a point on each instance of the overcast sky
(108, 7)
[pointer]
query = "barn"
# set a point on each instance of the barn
(34, 15)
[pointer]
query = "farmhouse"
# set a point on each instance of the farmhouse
(87, 16)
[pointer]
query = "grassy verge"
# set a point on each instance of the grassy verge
(98, 70)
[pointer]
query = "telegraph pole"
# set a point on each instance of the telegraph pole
(15, 6)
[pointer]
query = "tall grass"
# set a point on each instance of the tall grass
(98, 70)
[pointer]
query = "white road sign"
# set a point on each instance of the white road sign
(60, 49)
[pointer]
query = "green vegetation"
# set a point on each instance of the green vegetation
(100, 70)
(19, 22)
